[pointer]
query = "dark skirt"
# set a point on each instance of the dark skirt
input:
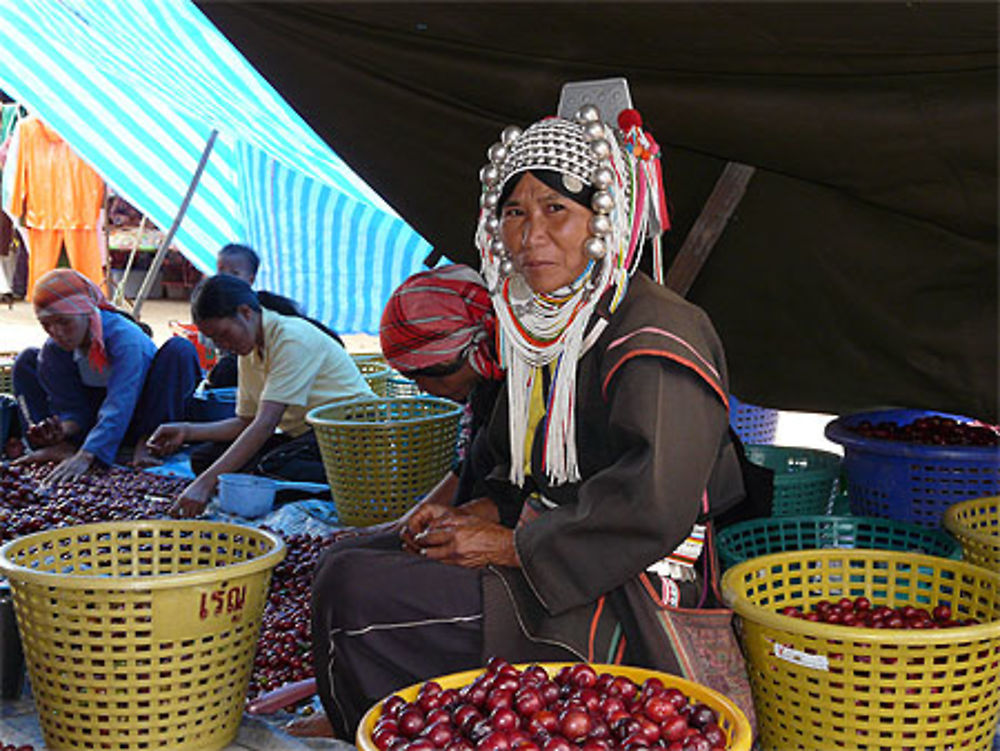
(384, 619)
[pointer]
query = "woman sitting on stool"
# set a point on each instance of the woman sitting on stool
(98, 380)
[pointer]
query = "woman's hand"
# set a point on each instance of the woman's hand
(192, 500)
(464, 539)
(48, 432)
(167, 438)
(55, 453)
(69, 469)
(417, 520)
(142, 456)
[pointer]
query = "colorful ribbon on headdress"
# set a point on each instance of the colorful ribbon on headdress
(68, 292)
(437, 317)
(646, 150)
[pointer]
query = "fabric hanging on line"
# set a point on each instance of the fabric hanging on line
(10, 114)
(58, 198)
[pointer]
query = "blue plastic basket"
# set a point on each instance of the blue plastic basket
(908, 481)
(8, 418)
(209, 405)
(752, 424)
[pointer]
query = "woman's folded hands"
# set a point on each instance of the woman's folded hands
(463, 536)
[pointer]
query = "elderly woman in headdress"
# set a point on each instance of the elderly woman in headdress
(98, 381)
(610, 438)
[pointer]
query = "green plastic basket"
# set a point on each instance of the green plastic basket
(383, 455)
(6, 372)
(804, 479)
(757, 537)
(376, 375)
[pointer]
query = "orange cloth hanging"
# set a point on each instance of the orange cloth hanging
(83, 248)
(55, 190)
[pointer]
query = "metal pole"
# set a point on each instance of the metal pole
(154, 267)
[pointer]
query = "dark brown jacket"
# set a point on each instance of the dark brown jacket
(652, 436)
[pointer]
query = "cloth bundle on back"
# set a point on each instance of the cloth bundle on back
(57, 198)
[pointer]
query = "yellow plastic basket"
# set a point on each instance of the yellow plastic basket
(382, 455)
(976, 524)
(140, 635)
(368, 356)
(7, 371)
(820, 686)
(732, 721)
(377, 374)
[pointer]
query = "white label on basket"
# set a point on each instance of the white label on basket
(806, 660)
(198, 610)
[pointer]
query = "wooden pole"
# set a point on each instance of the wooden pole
(709, 226)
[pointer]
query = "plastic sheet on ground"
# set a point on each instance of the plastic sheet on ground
(307, 517)
(314, 516)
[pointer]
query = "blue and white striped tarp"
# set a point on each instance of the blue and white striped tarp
(137, 86)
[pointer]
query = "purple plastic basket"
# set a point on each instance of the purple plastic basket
(911, 482)
(752, 424)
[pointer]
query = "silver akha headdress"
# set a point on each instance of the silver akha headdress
(537, 329)
(580, 150)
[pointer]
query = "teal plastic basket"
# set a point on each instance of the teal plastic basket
(757, 537)
(804, 479)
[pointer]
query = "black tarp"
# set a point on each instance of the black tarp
(860, 269)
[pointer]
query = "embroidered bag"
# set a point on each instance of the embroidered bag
(696, 643)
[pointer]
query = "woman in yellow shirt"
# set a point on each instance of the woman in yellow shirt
(287, 365)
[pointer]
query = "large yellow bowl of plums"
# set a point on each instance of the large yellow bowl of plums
(555, 707)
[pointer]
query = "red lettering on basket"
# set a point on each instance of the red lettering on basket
(229, 601)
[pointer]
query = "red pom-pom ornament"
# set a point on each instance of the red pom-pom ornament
(628, 119)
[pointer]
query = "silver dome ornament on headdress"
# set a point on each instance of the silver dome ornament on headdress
(602, 202)
(600, 225)
(602, 178)
(497, 153)
(489, 174)
(595, 248)
(593, 131)
(601, 148)
(588, 113)
(510, 134)
(490, 199)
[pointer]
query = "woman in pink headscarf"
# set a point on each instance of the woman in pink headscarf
(86, 388)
